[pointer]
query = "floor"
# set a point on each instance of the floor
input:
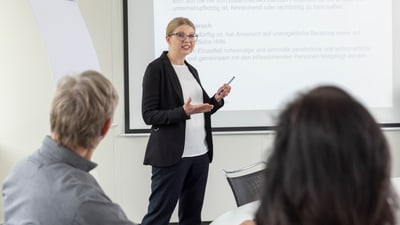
(203, 223)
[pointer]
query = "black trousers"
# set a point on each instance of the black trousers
(186, 182)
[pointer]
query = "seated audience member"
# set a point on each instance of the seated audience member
(53, 185)
(330, 164)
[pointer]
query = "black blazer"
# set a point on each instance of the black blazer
(162, 108)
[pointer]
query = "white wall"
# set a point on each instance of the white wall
(26, 88)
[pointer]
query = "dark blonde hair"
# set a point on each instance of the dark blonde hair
(177, 22)
(330, 165)
(81, 106)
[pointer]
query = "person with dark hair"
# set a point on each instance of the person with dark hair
(53, 185)
(180, 146)
(330, 164)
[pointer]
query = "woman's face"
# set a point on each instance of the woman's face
(181, 41)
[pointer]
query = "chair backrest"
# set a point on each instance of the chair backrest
(246, 183)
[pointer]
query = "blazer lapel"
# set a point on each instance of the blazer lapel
(173, 79)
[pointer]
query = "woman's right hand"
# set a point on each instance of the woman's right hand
(199, 108)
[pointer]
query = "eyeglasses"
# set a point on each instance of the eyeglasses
(182, 36)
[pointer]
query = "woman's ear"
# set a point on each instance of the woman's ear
(167, 38)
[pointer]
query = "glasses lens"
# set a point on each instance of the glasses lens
(181, 36)
(192, 37)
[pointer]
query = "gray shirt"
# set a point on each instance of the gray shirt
(53, 187)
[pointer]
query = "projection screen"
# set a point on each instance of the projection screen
(275, 49)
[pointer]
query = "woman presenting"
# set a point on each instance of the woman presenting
(180, 146)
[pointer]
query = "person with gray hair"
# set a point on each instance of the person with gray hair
(53, 185)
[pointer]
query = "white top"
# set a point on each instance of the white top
(195, 134)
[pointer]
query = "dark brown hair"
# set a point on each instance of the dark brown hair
(330, 165)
